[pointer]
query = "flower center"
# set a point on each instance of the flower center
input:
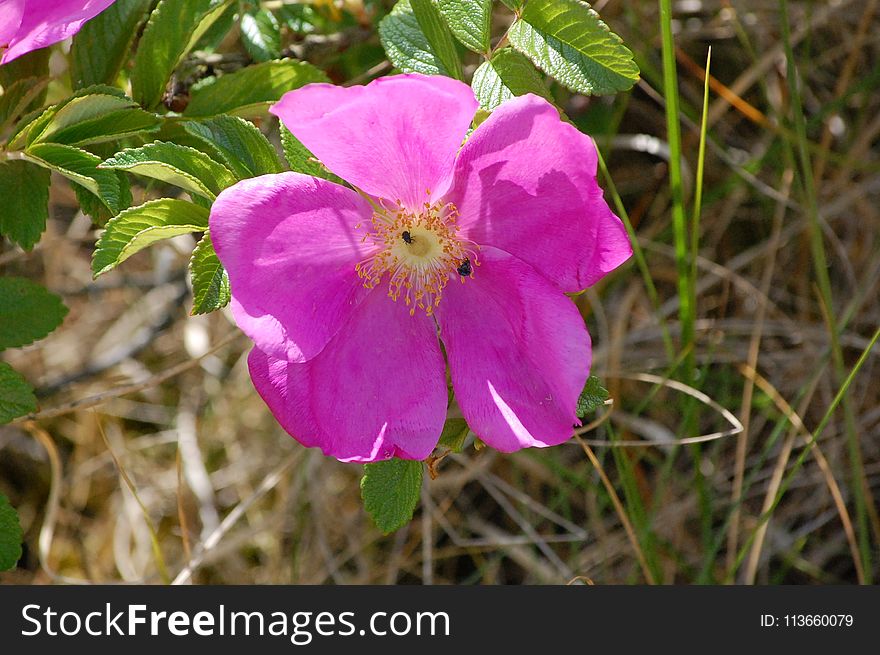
(420, 250)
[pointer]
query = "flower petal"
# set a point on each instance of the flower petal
(49, 21)
(11, 12)
(525, 182)
(378, 390)
(289, 245)
(518, 352)
(394, 138)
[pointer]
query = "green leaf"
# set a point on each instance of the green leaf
(10, 528)
(250, 91)
(302, 160)
(439, 37)
(506, 75)
(470, 22)
(406, 44)
(31, 126)
(188, 168)
(455, 431)
(33, 64)
(390, 491)
(18, 137)
(112, 127)
(80, 109)
(513, 4)
(97, 210)
(16, 397)
(102, 45)
(209, 279)
(304, 19)
(81, 167)
(142, 226)
(244, 149)
(214, 36)
(173, 29)
(16, 98)
(24, 188)
(592, 397)
(90, 204)
(96, 118)
(567, 40)
(261, 35)
(30, 312)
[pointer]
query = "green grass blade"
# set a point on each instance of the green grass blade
(820, 264)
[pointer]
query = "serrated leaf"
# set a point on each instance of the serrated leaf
(250, 91)
(30, 312)
(16, 395)
(174, 130)
(24, 189)
(17, 97)
(592, 397)
(18, 136)
(188, 168)
(470, 22)
(27, 132)
(438, 34)
(390, 491)
(111, 127)
(141, 226)
(406, 44)
(32, 125)
(567, 40)
(174, 27)
(506, 75)
(261, 35)
(455, 431)
(96, 118)
(209, 279)
(81, 167)
(244, 149)
(79, 109)
(302, 160)
(10, 527)
(91, 206)
(102, 45)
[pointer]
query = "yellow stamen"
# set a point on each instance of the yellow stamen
(419, 250)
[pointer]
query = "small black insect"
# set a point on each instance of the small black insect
(407, 236)
(464, 269)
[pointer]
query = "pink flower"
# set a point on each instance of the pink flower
(345, 292)
(27, 25)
